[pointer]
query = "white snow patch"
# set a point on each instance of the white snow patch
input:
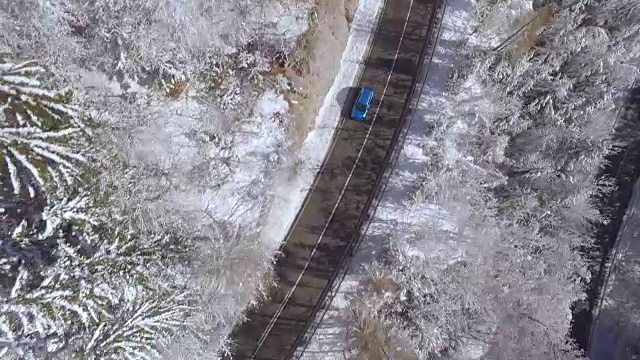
(165, 141)
(202, 187)
(281, 21)
(98, 80)
(414, 152)
(472, 349)
(271, 104)
(456, 25)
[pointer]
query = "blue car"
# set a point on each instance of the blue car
(362, 104)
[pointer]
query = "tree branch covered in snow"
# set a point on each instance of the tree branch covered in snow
(42, 134)
(78, 286)
(73, 278)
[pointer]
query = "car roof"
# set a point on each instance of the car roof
(366, 93)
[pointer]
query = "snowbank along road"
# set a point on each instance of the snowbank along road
(329, 223)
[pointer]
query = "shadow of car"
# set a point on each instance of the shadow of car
(348, 99)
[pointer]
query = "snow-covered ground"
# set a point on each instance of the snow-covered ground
(393, 214)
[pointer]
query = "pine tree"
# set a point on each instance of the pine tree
(135, 329)
(74, 287)
(44, 298)
(41, 133)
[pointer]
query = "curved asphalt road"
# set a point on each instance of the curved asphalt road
(331, 218)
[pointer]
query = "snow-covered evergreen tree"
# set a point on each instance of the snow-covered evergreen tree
(72, 285)
(41, 133)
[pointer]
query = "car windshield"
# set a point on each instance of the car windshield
(361, 107)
